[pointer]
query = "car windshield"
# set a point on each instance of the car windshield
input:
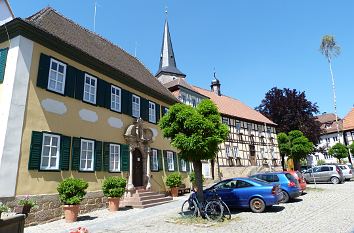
(350, 166)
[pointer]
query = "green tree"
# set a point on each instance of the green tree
(338, 151)
(351, 148)
(295, 145)
(196, 133)
(330, 50)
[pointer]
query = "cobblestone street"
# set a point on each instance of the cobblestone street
(328, 209)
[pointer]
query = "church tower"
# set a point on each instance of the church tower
(168, 70)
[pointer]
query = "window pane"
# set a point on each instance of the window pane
(54, 65)
(45, 161)
(61, 69)
(54, 152)
(45, 151)
(53, 162)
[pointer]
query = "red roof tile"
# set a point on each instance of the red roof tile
(348, 121)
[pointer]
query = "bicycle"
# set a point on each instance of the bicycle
(215, 196)
(212, 210)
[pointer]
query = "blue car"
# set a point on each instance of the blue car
(289, 186)
(247, 193)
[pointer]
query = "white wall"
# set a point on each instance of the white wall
(13, 103)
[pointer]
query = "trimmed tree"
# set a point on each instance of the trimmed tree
(338, 151)
(351, 148)
(196, 133)
(295, 145)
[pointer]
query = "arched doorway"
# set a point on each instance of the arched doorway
(137, 168)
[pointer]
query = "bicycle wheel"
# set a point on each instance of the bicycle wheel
(213, 211)
(189, 209)
(227, 213)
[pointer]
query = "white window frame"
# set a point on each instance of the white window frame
(116, 99)
(152, 112)
(87, 76)
(262, 152)
(227, 151)
(155, 160)
(135, 106)
(170, 162)
(61, 91)
(114, 150)
(183, 165)
(93, 155)
(235, 151)
(48, 167)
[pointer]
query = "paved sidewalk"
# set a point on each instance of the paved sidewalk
(327, 209)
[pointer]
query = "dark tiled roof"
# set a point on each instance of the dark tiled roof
(327, 117)
(97, 47)
(233, 107)
(328, 123)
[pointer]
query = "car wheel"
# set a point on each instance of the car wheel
(257, 205)
(335, 180)
(286, 197)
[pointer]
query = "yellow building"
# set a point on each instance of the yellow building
(75, 105)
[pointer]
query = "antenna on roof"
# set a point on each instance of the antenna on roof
(94, 16)
(136, 48)
(166, 12)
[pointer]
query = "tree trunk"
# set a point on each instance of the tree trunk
(198, 179)
(283, 161)
(212, 162)
(297, 165)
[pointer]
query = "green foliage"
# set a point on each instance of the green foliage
(3, 207)
(196, 132)
(174, 180)
(303, 162)
(192, 178)
(114, 186)
(329, 47)
(295, 145)
(321, 162)
(27, 201)
(351, 148)
(72, 191)
(339, 151)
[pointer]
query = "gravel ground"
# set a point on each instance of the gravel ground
(330, 208)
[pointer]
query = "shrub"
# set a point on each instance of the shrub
(192, 178)
(28, 202)
(174, 180)
(72, 191)
(3, 207)
(114, 186)
(321, 162)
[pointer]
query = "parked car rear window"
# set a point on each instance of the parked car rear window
(242, 184)
(226, 184)
(324, 169)
(272, 178)
(290, 177)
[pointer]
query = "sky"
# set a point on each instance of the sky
(253, 45)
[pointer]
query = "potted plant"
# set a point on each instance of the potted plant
(173, 181)
(3, 208)
(24, 205)
(71, 193)
(114, 188)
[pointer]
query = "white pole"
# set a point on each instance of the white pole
(94, 17)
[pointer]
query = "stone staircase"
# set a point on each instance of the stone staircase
(144, 199)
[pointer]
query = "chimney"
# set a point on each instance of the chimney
(215, 85)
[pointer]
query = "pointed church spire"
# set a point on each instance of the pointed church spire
(167, 60)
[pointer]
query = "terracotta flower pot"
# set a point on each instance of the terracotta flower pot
(174, 192)
(113, 203)
(71, 212)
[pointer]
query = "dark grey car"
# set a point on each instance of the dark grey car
(324, 173)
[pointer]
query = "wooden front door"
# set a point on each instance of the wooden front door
(253, 156)
(137, 168)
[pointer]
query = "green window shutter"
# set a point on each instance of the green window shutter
(70, 79)
(43, 71)
(144, 109)
(151, 161)
(107, 97)
(65, 143)
(75, 154)
(188, 166)
(159, 158)
(79, 85)
(106, 156)
(157, 106)
(124, 156)
(165, 160)
(103, 89)
(3, 57)
(98, 156)
(179, 164)
(126, 102)
(34, 161)
(175, 161)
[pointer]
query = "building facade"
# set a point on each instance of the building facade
(252, 140)
(75, 105)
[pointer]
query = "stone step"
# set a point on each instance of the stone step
(143, 194)
(152, 196)
(151, 205)
(157, 200)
